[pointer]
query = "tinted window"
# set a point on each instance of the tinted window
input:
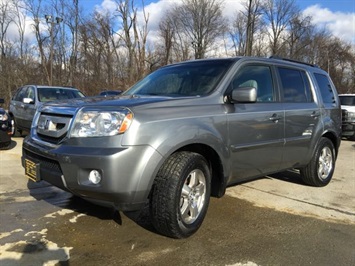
(53, 94)
(191, 79)
(325, 88)
(21, 93)
(30, 93)
(347, 100)
(256, 76)
(295, 85)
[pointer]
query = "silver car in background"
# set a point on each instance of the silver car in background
(28, 98)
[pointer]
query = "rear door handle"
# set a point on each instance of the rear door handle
(315, 114)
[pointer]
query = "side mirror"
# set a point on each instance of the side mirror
(244, 95)
(28, 100)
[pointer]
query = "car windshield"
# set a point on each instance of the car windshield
(347, 100)
(47, 94)
(190, 79)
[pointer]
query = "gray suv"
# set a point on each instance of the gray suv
(186, 132)
(28, 98)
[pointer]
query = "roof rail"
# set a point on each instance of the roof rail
(293, 61)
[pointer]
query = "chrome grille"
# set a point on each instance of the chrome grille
(53, 127)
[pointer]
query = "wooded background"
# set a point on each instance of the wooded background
(112, 50)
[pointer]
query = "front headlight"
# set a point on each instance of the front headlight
(4, 117)
(98, 123)
(351, 115)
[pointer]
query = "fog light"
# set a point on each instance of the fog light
(95, 177)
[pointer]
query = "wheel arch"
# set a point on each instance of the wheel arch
(334, 139)
(218, 180)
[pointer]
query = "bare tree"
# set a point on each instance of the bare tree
(111, 50)
(134, 39)
(167, 32)
(35, 11)
(72, 21)
(5, 21)
(202, 21)
(252, 13)
(92, 54)
(6, 18)
(128, 15)
(300, 36)
(238, 34)
(278, 13)
(20, 21)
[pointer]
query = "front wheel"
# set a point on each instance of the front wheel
(15, 132)
(320, 170)
(180, 195)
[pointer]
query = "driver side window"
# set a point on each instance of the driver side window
(20, 94)
(30, 93)
(259, 77)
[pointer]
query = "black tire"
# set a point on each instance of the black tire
(352, 138)
(15, 132)
(5, 145)
(320, 169)
(178, 212)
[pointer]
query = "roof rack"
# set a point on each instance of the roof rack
(293, 61)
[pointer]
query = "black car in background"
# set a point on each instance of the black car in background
(5, 128)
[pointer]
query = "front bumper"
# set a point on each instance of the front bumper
(5, 134)
(127, 176)
(348, 129)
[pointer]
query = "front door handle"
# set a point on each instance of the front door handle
(274, 118)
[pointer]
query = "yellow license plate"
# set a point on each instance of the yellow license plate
(32, 170)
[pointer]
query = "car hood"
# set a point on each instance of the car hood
(70, 106)
(349, 108)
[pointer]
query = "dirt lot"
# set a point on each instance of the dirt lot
(275, 220)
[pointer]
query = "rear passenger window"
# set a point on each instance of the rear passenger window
(295, 84)
(325, 88)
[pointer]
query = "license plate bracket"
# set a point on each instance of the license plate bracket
(32, 170)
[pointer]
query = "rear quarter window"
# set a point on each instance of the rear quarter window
(325, 88)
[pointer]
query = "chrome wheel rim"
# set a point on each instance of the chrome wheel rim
(193, 196)
(325, 163)
(12, 127)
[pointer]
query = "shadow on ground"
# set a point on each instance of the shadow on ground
(57, 197)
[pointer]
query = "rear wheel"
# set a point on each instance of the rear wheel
(5, 145)
(320, 170)
(180, 195)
